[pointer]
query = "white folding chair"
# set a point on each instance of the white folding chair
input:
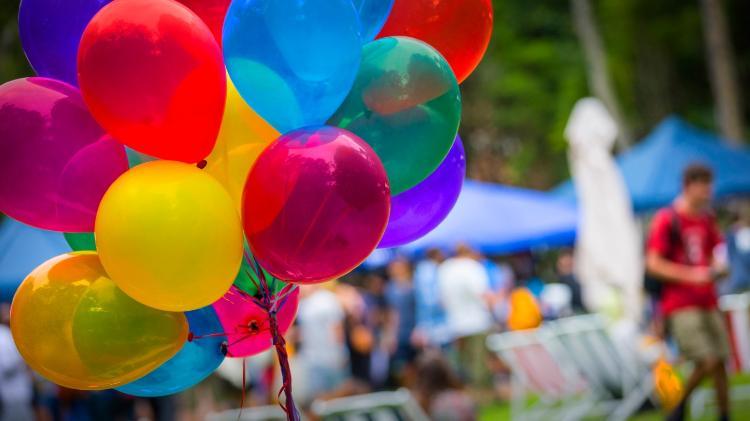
(258, 413)
(541, 387)
(399, 405)
(618, 380)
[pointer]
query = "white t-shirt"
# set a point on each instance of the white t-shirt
(463, 283)
(15, 379)
(320, 319)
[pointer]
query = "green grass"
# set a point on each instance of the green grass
(740, 408)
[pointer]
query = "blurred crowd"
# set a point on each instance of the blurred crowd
(414, 323)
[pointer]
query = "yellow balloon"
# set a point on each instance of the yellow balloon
(169, 235)
(243, 136)
(74, 326)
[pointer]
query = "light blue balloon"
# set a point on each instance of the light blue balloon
(292, 61)
(197, 359)
(372, 16)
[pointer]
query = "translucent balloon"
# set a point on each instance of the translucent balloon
(242, 137)
(211, 11)
(169, 236)
(459, 29)
(247, 324)
(293, 61)
(73, 326)
(372, 16)
(423, 207)
(50, 31)
(80, 241)
(197, 359)
(152, 75)
(316, 204)
(406, 104)
(55, 160)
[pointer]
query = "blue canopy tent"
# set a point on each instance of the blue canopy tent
(497, 219)
(22, 248)
(653, 168)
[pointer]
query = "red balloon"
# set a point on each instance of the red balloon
(153, 76)
(212, 12)
(459, 29)
(315, 205)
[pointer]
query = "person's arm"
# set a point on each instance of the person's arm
(668, 271)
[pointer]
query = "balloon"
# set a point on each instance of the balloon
(293, 61)
(197, 359)
(55, 161)
(152, 76)
(212, 12)
(247, 324)
(406, 104)
(316, 204)
(459, 29)
(372, 16)
(77, 329)
(242, 137)
(169, 236)
(420, 209)
(50, 31)
(81, 241)
(248, 281)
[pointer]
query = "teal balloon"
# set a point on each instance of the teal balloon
(406, 104)
(292, 61)
(197, 359)
(80, 241)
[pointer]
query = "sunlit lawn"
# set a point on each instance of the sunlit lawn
(740, 408)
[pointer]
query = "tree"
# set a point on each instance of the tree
(722, 68)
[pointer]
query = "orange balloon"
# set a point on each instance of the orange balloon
(243, 136)
(73, 326)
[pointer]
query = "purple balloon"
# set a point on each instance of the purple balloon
(420, 209)
(55, 160)
(50, 31)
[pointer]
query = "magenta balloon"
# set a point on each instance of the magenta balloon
(55, 160)
(246, 324)
(423, 207)
(315, 205)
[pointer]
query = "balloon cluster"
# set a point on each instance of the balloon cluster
(168, 139)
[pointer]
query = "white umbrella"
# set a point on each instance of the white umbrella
(609, 253)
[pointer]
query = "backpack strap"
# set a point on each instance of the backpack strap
(674, 236)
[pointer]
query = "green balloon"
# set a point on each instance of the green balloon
(406, 104)
(81, 241)
(248, 281)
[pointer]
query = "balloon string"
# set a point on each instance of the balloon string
(244, 387)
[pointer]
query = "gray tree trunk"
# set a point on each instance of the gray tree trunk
(596, 63)
(722, 70)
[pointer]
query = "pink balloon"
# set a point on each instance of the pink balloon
(55, 160)
(315, 205)
(247, 325)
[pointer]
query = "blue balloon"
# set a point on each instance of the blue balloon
(50, 31)
(197, 359)
(292, 61)
(372, 16)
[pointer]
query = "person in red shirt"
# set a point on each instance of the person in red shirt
(680, 249)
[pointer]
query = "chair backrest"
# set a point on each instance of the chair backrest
(399, 405)
(528, 355)
(587, 343)
(258, 413)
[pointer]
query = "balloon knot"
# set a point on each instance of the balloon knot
(224, 348)
(202, 164)
(253, 326)
(191, 336)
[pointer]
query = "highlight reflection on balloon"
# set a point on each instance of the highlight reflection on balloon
(73, 326)
(372, 16)
(55, 160)
(316, 204)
